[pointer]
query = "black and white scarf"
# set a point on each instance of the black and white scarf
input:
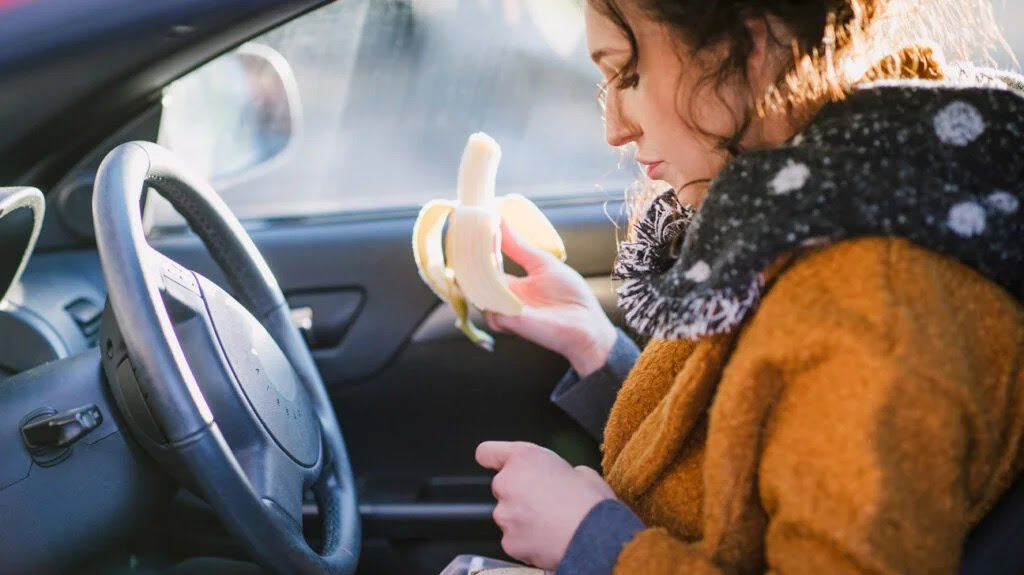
(941, 165)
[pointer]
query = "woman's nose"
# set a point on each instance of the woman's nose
(619, 129)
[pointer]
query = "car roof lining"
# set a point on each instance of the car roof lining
(70, 72)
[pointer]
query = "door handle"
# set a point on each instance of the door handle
(324, 316)
(302, 319)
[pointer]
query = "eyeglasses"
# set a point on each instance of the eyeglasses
(602, 95)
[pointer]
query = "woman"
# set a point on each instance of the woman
(834, 380)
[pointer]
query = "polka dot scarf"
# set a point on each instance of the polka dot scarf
(940, 165)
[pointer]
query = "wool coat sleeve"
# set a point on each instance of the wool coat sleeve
(873, 453)
(589, 399)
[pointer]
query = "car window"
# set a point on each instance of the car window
(375, 99)
(383, 95)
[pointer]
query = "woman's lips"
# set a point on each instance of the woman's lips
(654, 170)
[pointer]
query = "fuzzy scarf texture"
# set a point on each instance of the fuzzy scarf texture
(938, 165)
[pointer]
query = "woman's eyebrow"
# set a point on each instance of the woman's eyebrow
(600, 54)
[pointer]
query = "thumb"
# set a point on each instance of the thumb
(494, 454)
(531, 258)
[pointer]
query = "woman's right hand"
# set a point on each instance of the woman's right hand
(560, 312)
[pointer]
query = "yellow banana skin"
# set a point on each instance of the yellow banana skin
(465, 265)
(526, 219)
(427, 252)
(429, 258)
(476, 335)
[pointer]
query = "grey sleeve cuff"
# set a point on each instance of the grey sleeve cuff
(595, 547)
(589, 400)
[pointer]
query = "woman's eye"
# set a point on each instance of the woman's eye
(621, 81)
(627, 81)
(624, 77)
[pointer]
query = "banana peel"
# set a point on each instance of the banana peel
(457, 244)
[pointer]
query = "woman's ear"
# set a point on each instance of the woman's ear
(759, 62)
(770, 45)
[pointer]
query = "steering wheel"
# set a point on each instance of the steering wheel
(223, 392)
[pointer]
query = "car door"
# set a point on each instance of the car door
(376, 100)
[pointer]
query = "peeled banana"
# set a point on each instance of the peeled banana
(465, 265)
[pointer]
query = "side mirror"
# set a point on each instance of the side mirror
(236, 113)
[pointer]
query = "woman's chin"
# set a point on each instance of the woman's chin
(691, 195)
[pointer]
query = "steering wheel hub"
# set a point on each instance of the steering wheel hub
(265, 376)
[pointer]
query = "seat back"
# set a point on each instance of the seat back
(996, 546)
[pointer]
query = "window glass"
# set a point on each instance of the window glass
(1010, 14)
(371, 101)
(388, 92)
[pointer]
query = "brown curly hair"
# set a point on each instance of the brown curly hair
(836, 43)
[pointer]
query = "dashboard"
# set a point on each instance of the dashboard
(50, 303)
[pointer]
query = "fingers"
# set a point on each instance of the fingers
(533, 325)
(495, 321)
(522, 252)
(494, 454)
(517, 284)
(588, 472)
(503, 323)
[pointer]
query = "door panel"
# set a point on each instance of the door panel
(413, 396)
(374, 257)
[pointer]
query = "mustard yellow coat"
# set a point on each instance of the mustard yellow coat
(862, 421)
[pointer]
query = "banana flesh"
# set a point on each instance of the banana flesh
(463, 265)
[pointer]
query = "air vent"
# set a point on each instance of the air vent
(74, 205)
(86, 314)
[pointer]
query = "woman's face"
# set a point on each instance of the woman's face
(669, 112)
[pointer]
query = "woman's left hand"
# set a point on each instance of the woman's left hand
(541, 499)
